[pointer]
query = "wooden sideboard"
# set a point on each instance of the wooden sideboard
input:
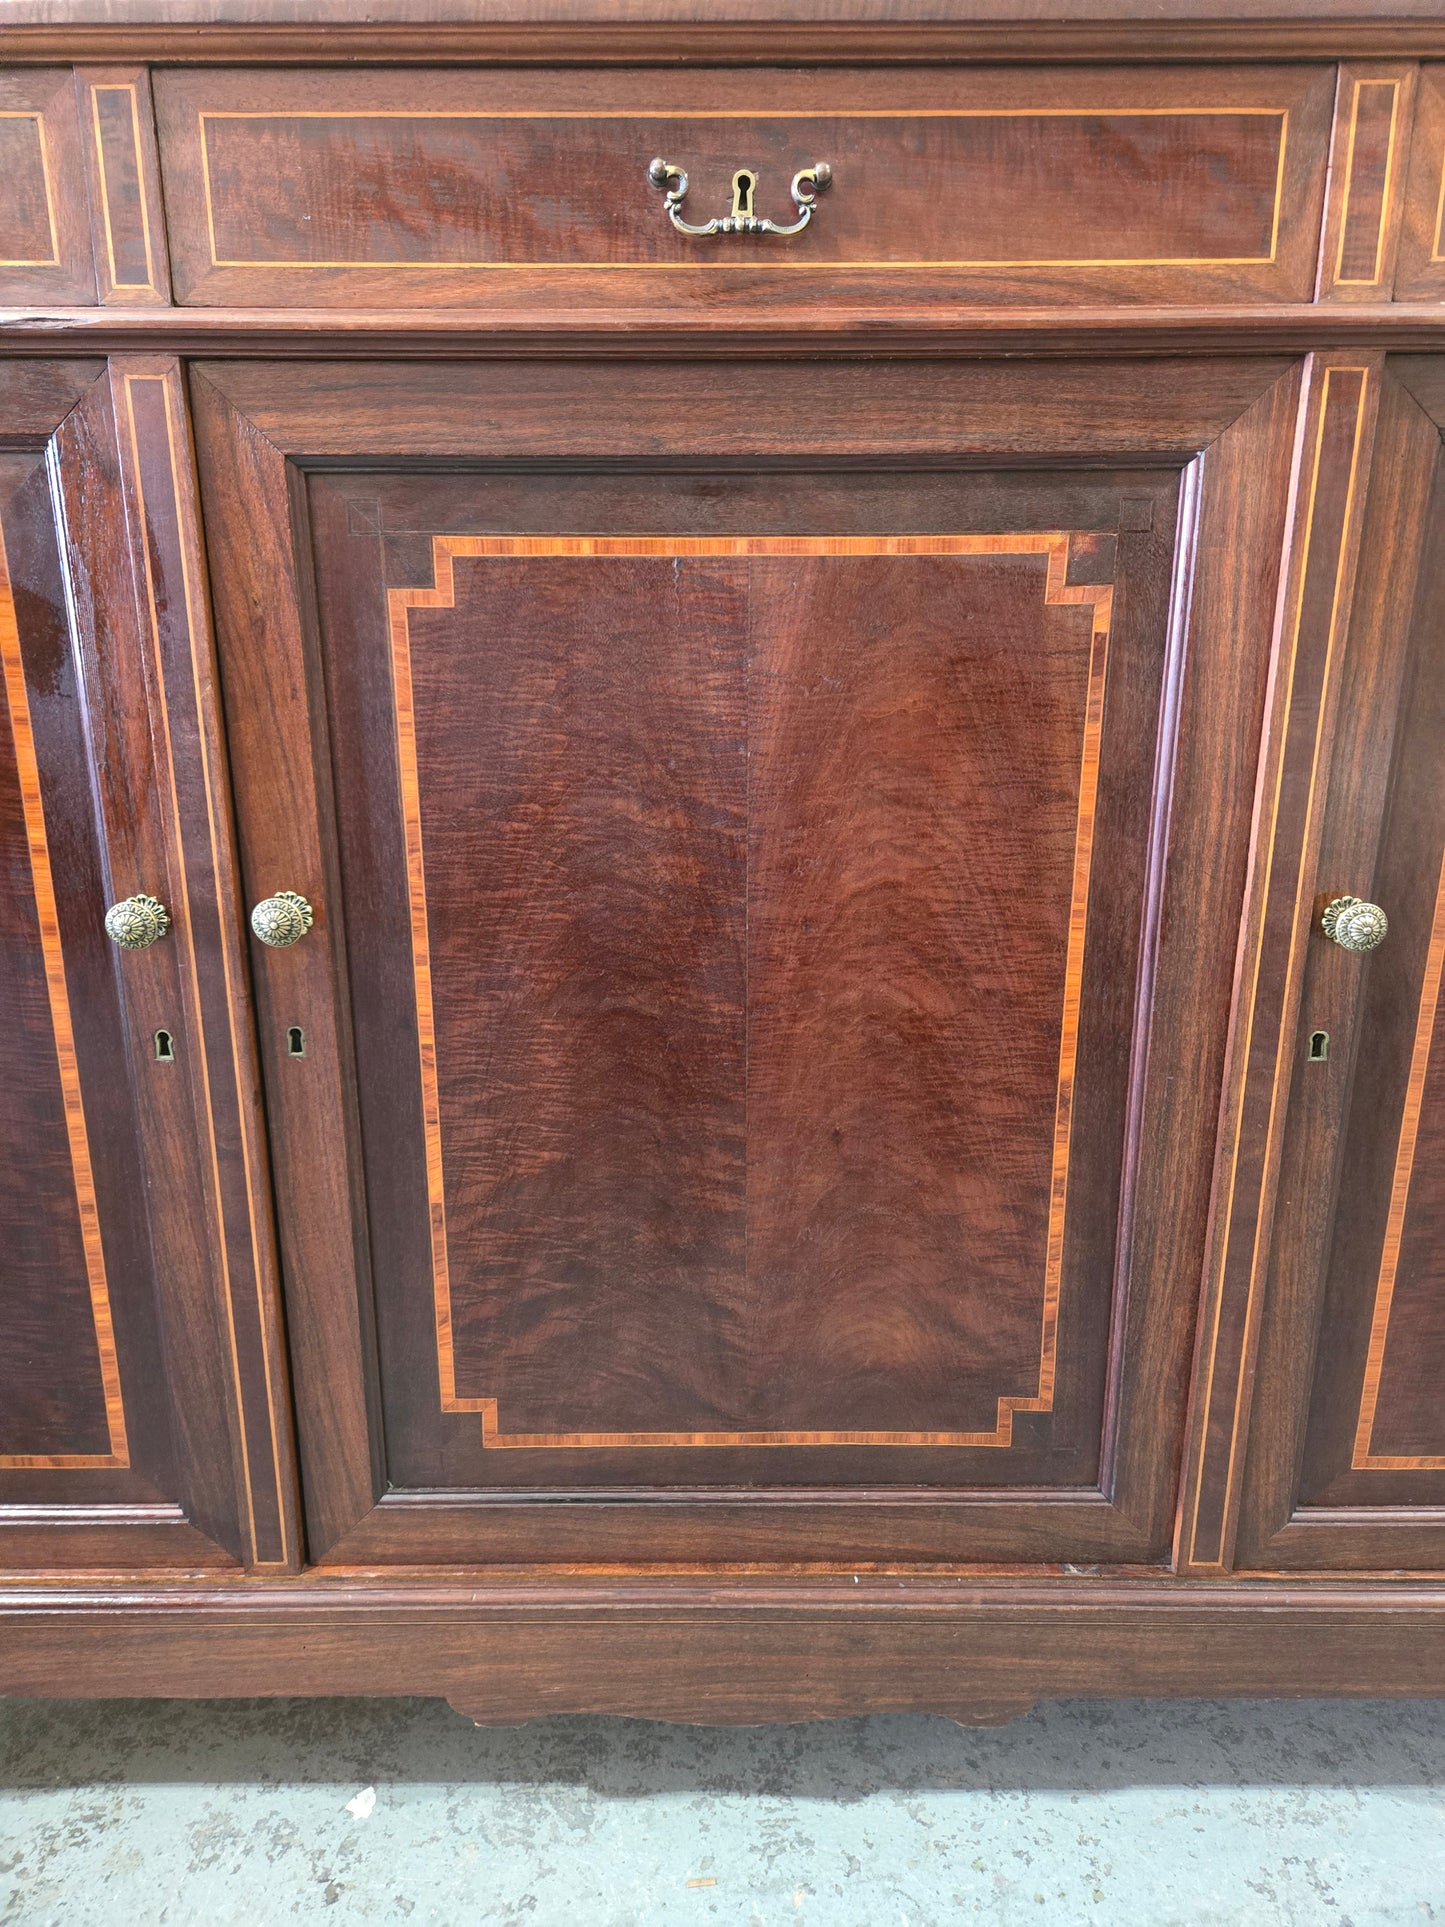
(722, 801)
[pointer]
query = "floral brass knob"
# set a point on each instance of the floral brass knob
(282, 920)
(137, 923)
(1354, 924)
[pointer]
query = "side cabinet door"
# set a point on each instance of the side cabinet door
(750, 861)
(122, 1349)
(1336, 1275)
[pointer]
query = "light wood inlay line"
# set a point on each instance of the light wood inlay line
(1365, 1458)
(145, 224)
(42, 883)
(1099, 597)
(1370, 280)
(52, 260)
(1437, 250)
(784, 260)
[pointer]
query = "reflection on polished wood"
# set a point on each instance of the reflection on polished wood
(22, 737)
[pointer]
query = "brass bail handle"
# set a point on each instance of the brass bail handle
(808, 184)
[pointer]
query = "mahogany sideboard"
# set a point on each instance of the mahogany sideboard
(722, 791)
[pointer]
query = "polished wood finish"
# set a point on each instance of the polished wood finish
(1421, 273)
(804, 1187)
(739, 1653)
(671, 33)
(442, 187)
(118, 1415)
(44, 223)
(1346, 1469)
(128, 218)
(1369, 158)
(938, 329)
(350, 844)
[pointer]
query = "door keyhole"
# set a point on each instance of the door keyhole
(296, 1041)
(165, 1047)
(1319, 1046)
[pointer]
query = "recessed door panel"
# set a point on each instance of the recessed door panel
(744, 883)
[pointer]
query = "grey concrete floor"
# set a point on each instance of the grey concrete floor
(1126, 1813)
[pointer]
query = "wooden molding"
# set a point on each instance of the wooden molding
(936, 330)
(726, 1650)
(526, 33)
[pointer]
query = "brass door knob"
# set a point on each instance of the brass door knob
(1354, 924)
(137, 923)
(281, 920)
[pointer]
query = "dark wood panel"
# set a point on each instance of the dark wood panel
(1343, 1460)
(1421, 275)
(60, 1395)
(1339, 409)
(410, 190)
(1369, 162)
(44, 215)
(131, 262)
(117, 1441)
(993, 410)
(561, 1070)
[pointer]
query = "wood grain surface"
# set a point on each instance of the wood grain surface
(452, 187)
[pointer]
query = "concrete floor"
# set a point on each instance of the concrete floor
(1126, 1813)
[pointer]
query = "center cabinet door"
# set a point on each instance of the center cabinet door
(775, 836)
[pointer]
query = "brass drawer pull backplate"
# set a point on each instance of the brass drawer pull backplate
(808, 184)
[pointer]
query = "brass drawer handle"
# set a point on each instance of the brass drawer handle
(1354, 924)
(137, 922)
(808, 184)
(282, 920)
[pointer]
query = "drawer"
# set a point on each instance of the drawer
(419, 188)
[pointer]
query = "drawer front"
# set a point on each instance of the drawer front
(418, 188)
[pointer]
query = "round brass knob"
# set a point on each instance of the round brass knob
(281, 920)
(1354, 924)
(137, 923)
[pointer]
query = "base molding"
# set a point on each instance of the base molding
(726, 1652)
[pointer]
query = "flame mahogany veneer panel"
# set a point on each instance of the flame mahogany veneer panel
(748, 887)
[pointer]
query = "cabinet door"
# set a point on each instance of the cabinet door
(1340, 1207)
(122, 1351)
(773, 838)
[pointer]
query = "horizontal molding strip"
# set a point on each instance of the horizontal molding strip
(805, 330)
(479, 1593)
(44, 31)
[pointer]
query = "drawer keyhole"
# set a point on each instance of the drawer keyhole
(1319, 1046)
